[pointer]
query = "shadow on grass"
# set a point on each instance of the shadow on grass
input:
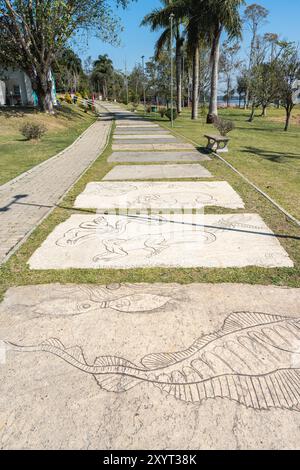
(276, 157)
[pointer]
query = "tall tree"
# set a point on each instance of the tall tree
(102, 74)
(242, 84)
(224, 15)
(229, 63)
(160, 18)
(254, 17)
(32, 34)
(68, 70)
(272, 39)
(193, 14)
(289, 72)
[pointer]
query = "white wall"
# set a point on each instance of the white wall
(2, 93)
(12, 78)
(297, 92)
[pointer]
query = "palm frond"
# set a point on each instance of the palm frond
(161, 42)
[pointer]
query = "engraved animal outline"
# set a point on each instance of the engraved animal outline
(66, 304)
(152, 243)
(248, 361)
(173, 198)
(98, 226)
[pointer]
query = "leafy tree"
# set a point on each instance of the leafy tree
(242, 86)
(254, 17)
(289, 72)
(68, 71)
(272, 39)
(136, 83)
(263, 87)
(158, 78)
(33, 32)
(229, 63)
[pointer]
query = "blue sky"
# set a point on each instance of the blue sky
(284, 19)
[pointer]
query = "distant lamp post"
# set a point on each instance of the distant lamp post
(144, 87)
(172, 16)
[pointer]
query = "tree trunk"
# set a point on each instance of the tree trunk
(179, 75)
(213, 104)
(264, 111)
(287, 121)
(42, 86)
(251, 118)
(246, 101)
(196, 70)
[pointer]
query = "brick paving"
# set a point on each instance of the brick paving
(26, 200)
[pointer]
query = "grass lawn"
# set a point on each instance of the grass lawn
(16, 271)
(18, 155)
(261, 150)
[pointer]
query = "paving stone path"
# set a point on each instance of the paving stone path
(184, 240)
(152, 366)
(25, 201)
(148, 172)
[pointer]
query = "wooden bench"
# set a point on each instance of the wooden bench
(217, 143)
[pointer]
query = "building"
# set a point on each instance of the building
(296, 88)
(16, 89)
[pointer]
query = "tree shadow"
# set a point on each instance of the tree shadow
(276, 157)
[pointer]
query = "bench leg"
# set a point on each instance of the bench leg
(222, 147)
(210, 144)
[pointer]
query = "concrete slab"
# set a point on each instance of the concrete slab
(140, 146)
(144, 172)
(157, 157)
(144, 137)
(135, 122)
(178, 240)
(237, 386)
(140, 130)
(154, 195)
(139, 125)
(145, 141)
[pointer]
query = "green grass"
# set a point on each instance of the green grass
(261, 150)
(18, 155)
(16, 271)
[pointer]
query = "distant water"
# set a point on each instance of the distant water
(232, 102)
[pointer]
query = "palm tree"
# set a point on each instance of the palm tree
(194, 14)
(224, 15)
(160, 18)
(102, 73)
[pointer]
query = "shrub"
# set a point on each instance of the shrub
(162, 112)
(134, 107)
(32, 130)
(68, 98)
(223, 126)
(148, 109)
(168, 114)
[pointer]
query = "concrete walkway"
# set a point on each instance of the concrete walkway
(27, 199)
(148, 366)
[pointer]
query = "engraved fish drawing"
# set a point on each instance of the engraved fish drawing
(253, 360)
(67, 305)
